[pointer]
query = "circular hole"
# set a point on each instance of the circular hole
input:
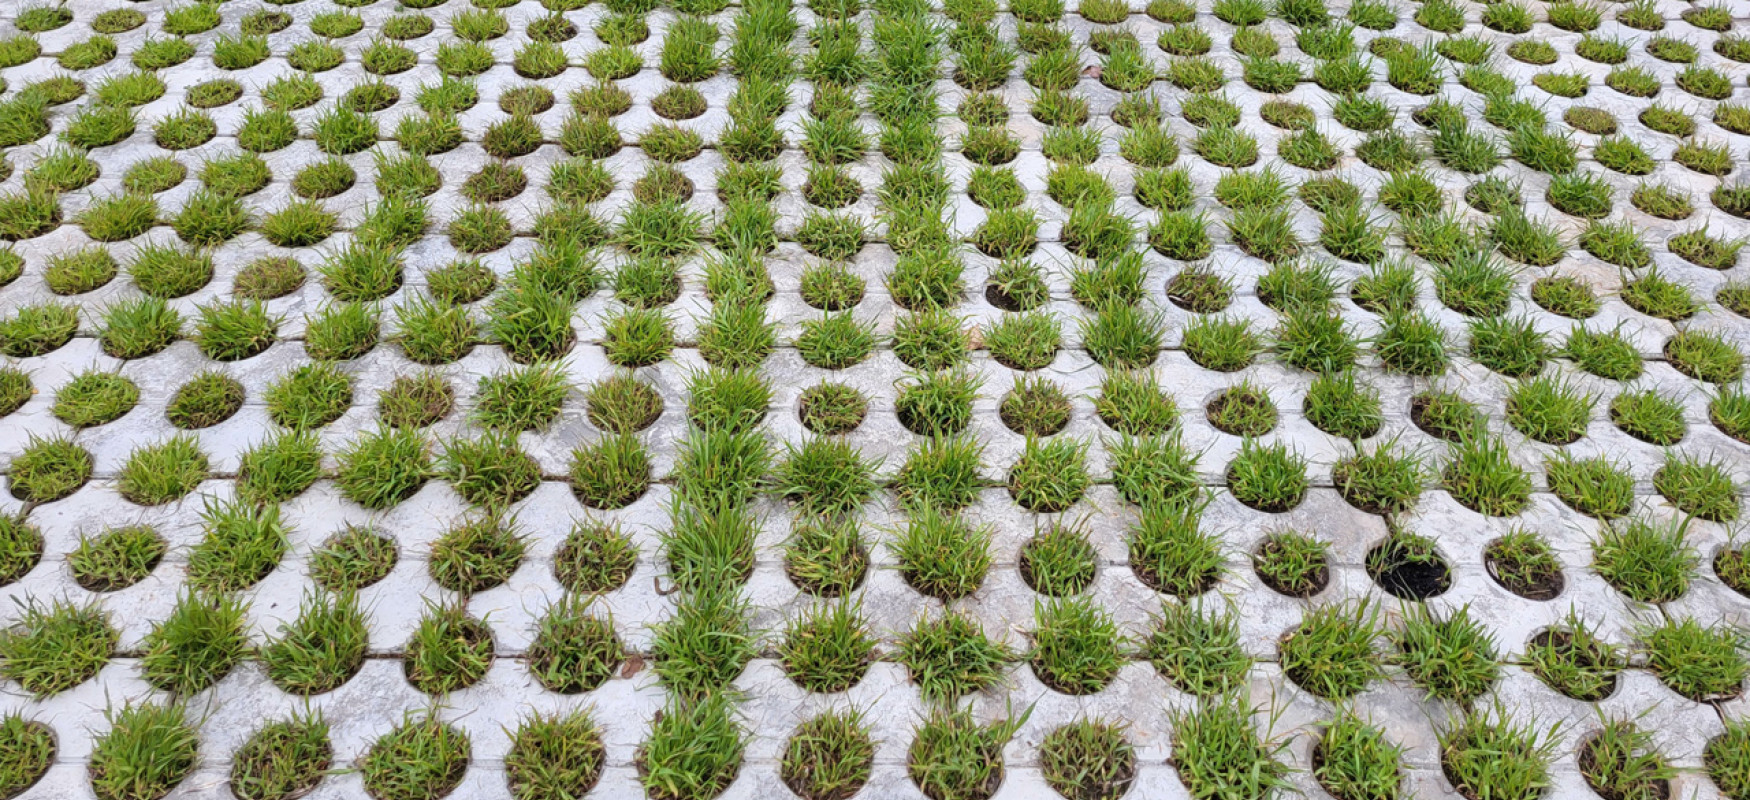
(1732, 567)
(1562, 642)
(1409, 567)
(1529, 571)
(1292, 564)
(1643, 789)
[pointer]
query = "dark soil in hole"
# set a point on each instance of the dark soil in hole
(1526, 580)
(1001, 299)
(1563, 642)
(1409, 568)
(1588, 758)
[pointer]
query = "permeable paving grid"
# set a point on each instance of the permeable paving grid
(872, 398)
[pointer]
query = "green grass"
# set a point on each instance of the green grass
(1077, 646)
(310, 396)
(707, 643)
(21, 548)
(731, 401)
(382, 468)
(595, 559)
(1219, 751)
(282, 758)
(1354, 759)
(420, 757)
(694, 750)
(280, 467)
(47, 470)
(1293, 563)
(1035, 407)
(197, 644)
(119, 217)
(825, 557)
(1050, 476)
(1697, 662)
(1704, 356)
(448, 650)
(55, 647)
(139, 327)
(554, 755)
(1271, 478)
(611, 473)
(1649, 562)
(241, 545)
(574, 650)
(825, 476)
(1452, 658)
(1621, 760)
(1170, 551)
(828, 649)
(162, 473)
(1333, 652)
(1699, 488)
(1487, 753)
(148, 750)
(476, 554)
(954, 756)
(321, 649)
(1244, 410)
(235, 330)
(1727, 758)
(829, 756)
(117, 558)
(352, 559)
(26, 749)
(1572, 659)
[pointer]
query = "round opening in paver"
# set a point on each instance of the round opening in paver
(1522, 563)
(1409, 566)
(1293, 564)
